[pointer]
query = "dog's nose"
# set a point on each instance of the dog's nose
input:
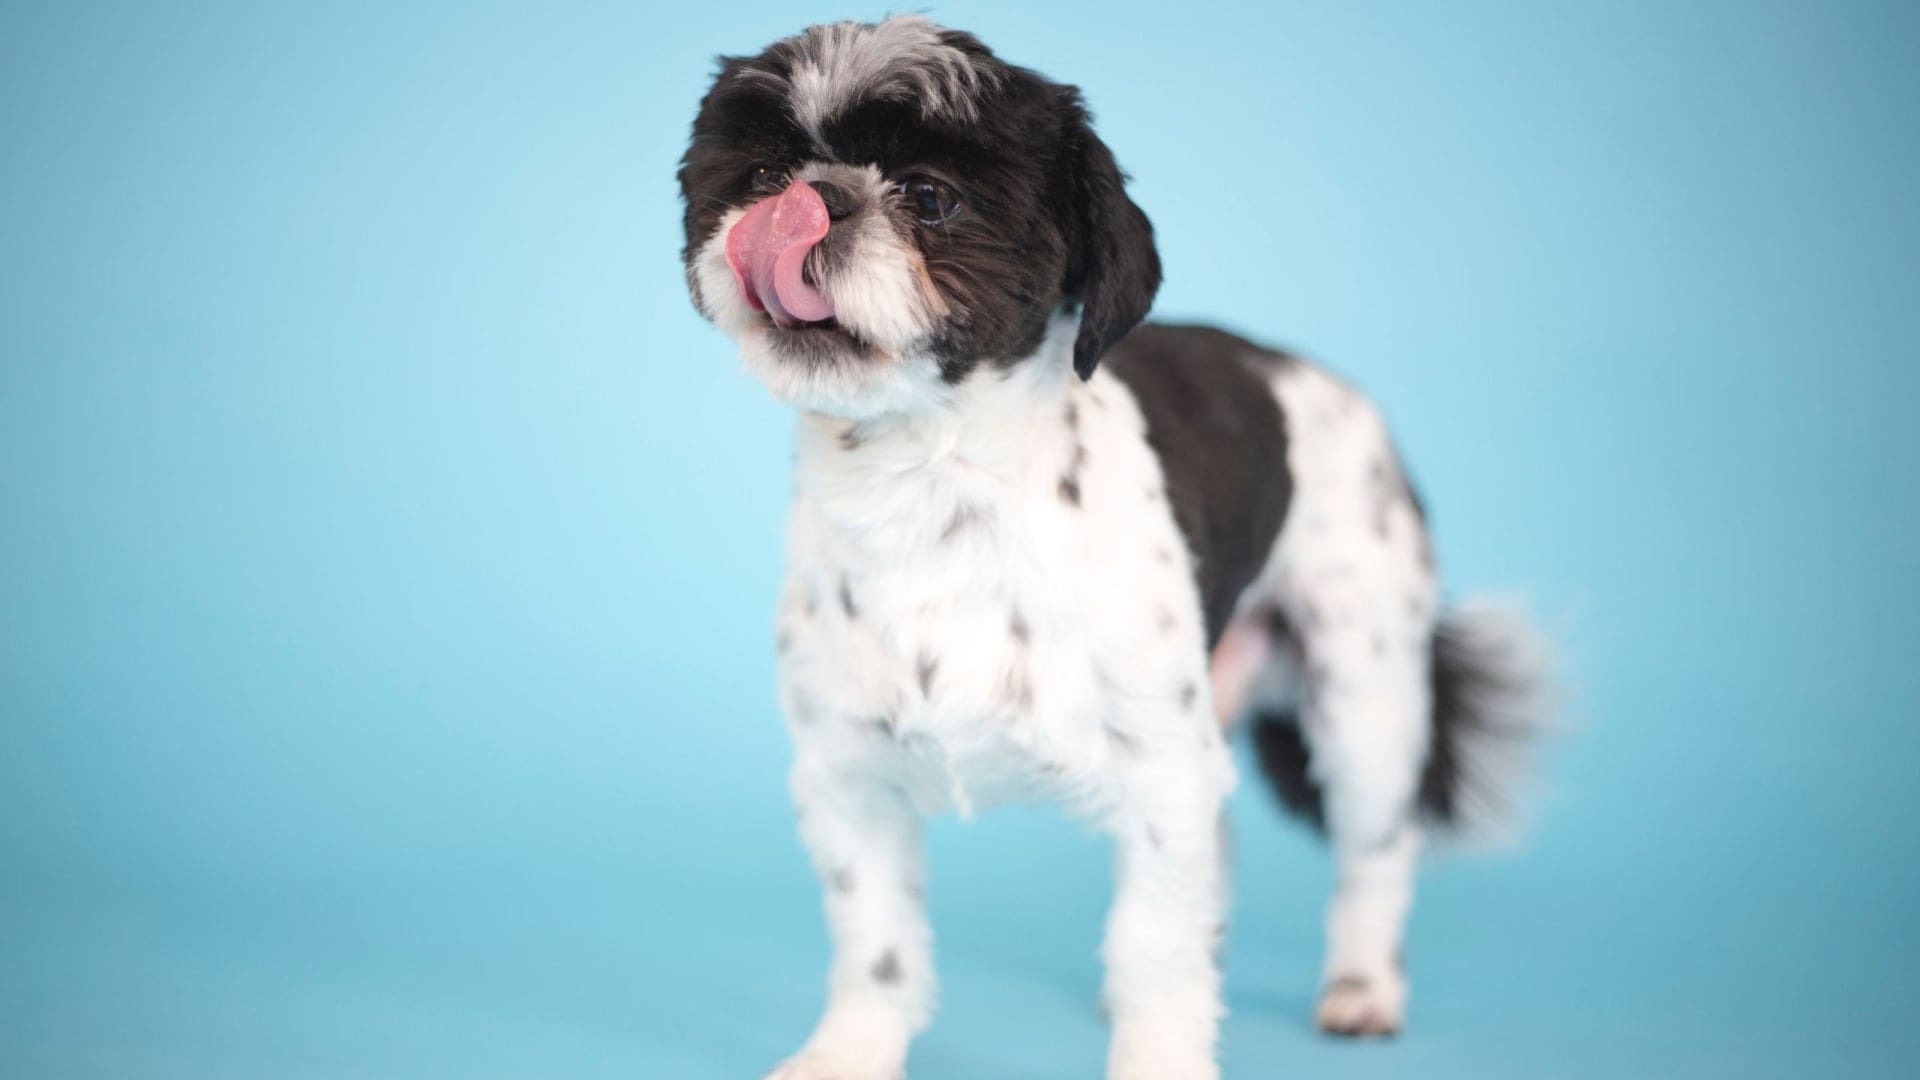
(838, 199)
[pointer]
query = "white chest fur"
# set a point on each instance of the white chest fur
(991, 600)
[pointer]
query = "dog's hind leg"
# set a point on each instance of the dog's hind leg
(1348, 606)
(1363, 714)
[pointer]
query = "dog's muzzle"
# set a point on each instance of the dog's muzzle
(767, 250)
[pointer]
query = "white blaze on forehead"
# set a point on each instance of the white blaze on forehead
(836, 65)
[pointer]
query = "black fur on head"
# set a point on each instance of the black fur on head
(1043, 225)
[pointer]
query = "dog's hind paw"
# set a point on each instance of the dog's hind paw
(1358, 1007)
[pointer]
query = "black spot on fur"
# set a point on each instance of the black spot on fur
(1076, 462)
(846, 598)
(964, 515)
(803, 711)
(1122, 740)
(886, 970)
(1389, 485)
(850, 437)
(1189, 693)
(1222, 444)
(924, 670)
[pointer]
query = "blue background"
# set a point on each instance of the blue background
(387, 552)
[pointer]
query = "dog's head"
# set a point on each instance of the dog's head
(873, 211)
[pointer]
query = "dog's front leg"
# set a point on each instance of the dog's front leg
(865, 844)
(1163, 981)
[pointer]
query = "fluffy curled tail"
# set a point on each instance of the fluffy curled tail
(1491, 675)
(1492, 701)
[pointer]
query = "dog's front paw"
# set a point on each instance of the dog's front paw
(813, 1065)
(1162, 1067)
(1160, 1055)
(856, 1040)
(1358, 1006)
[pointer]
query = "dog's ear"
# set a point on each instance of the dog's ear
(1113, 269)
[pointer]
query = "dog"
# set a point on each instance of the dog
(1038, 550)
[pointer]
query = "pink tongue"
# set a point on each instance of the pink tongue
(766, 249)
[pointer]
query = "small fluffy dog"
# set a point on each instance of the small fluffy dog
(1037, 552)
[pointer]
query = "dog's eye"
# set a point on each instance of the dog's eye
(932, 201)
(765, 180)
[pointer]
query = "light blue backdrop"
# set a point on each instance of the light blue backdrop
(387, 552)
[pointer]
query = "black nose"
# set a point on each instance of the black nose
(838, 199)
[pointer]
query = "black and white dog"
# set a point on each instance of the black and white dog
(1036, 552)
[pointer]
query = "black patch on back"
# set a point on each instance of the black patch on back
(1222, 442)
